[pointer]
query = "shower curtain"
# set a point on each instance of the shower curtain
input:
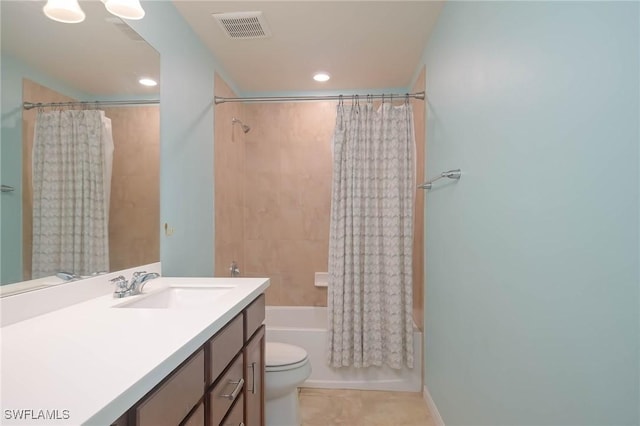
(72, 157)
(371, 237)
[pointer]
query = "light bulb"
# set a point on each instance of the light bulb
(126, 9)
(145, 81)
(67, 11)
(321, 76)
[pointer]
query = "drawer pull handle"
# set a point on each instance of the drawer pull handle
(231, 396)
(253, 378)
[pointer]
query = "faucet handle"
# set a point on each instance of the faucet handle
(119, 279)
(121, 285)
(137, 274)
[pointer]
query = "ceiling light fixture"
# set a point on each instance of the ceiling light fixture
(321, 76)
(126, 9)
(69, 11)
(145, 81)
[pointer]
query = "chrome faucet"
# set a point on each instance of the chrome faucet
(138, 280)
(234, 269)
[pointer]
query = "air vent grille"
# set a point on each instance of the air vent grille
(243, 25)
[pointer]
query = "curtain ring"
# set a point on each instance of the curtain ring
(383, 99)
(406, 99)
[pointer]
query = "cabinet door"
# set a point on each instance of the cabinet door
(254, 380)
(235, 416)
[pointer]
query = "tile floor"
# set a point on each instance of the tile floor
(329, 407)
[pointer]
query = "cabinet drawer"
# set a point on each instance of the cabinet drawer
(235, 417)
(253, 317)
(223, 347)
(228, 388)
(170, 403)
(196, 418)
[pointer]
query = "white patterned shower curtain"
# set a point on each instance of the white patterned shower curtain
(72, 157)
(371, 239)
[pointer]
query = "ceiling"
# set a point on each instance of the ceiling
(99, 56)
(364, 45)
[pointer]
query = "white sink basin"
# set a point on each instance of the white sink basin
(179, 298)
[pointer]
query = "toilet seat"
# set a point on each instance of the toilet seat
(282, 356)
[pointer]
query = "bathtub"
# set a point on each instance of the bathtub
(306, 326)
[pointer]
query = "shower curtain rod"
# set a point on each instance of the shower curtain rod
(31, 105)
(221, 100)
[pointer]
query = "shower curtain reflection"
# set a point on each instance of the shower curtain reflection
(72, 157)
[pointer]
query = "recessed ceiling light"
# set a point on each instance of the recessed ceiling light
(321, 76)
(148, 82)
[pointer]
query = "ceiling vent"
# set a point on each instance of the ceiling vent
(243, 25)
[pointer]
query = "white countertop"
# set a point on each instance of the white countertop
(96, 361)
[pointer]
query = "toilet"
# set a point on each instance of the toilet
(286, 368)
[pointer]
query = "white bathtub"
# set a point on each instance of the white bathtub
(306, 326)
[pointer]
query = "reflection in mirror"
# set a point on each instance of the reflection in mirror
(100, 59)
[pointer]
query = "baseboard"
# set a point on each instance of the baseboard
(433, 410)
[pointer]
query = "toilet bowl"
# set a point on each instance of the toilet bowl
(286, 368)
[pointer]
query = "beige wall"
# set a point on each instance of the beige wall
(134, 232)
(288, 191)
(418, 216)
(273, 196)
(134, 213)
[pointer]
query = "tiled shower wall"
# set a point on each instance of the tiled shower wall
(134, 237)
(134, 213)
(273, 196)
(287, 184)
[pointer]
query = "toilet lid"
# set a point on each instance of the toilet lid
(280, 354)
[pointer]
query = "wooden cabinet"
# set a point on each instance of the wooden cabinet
(197, 417)
(236, 415)
(224, 347)
(254, 379)
(220, 384)
(226, 390)
(254, 333)
(170, 403)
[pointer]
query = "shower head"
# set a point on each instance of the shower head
(243, 126)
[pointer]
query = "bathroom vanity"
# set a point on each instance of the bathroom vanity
(219, 384)
(188, 351)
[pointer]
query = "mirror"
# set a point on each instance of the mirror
(101, 58)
